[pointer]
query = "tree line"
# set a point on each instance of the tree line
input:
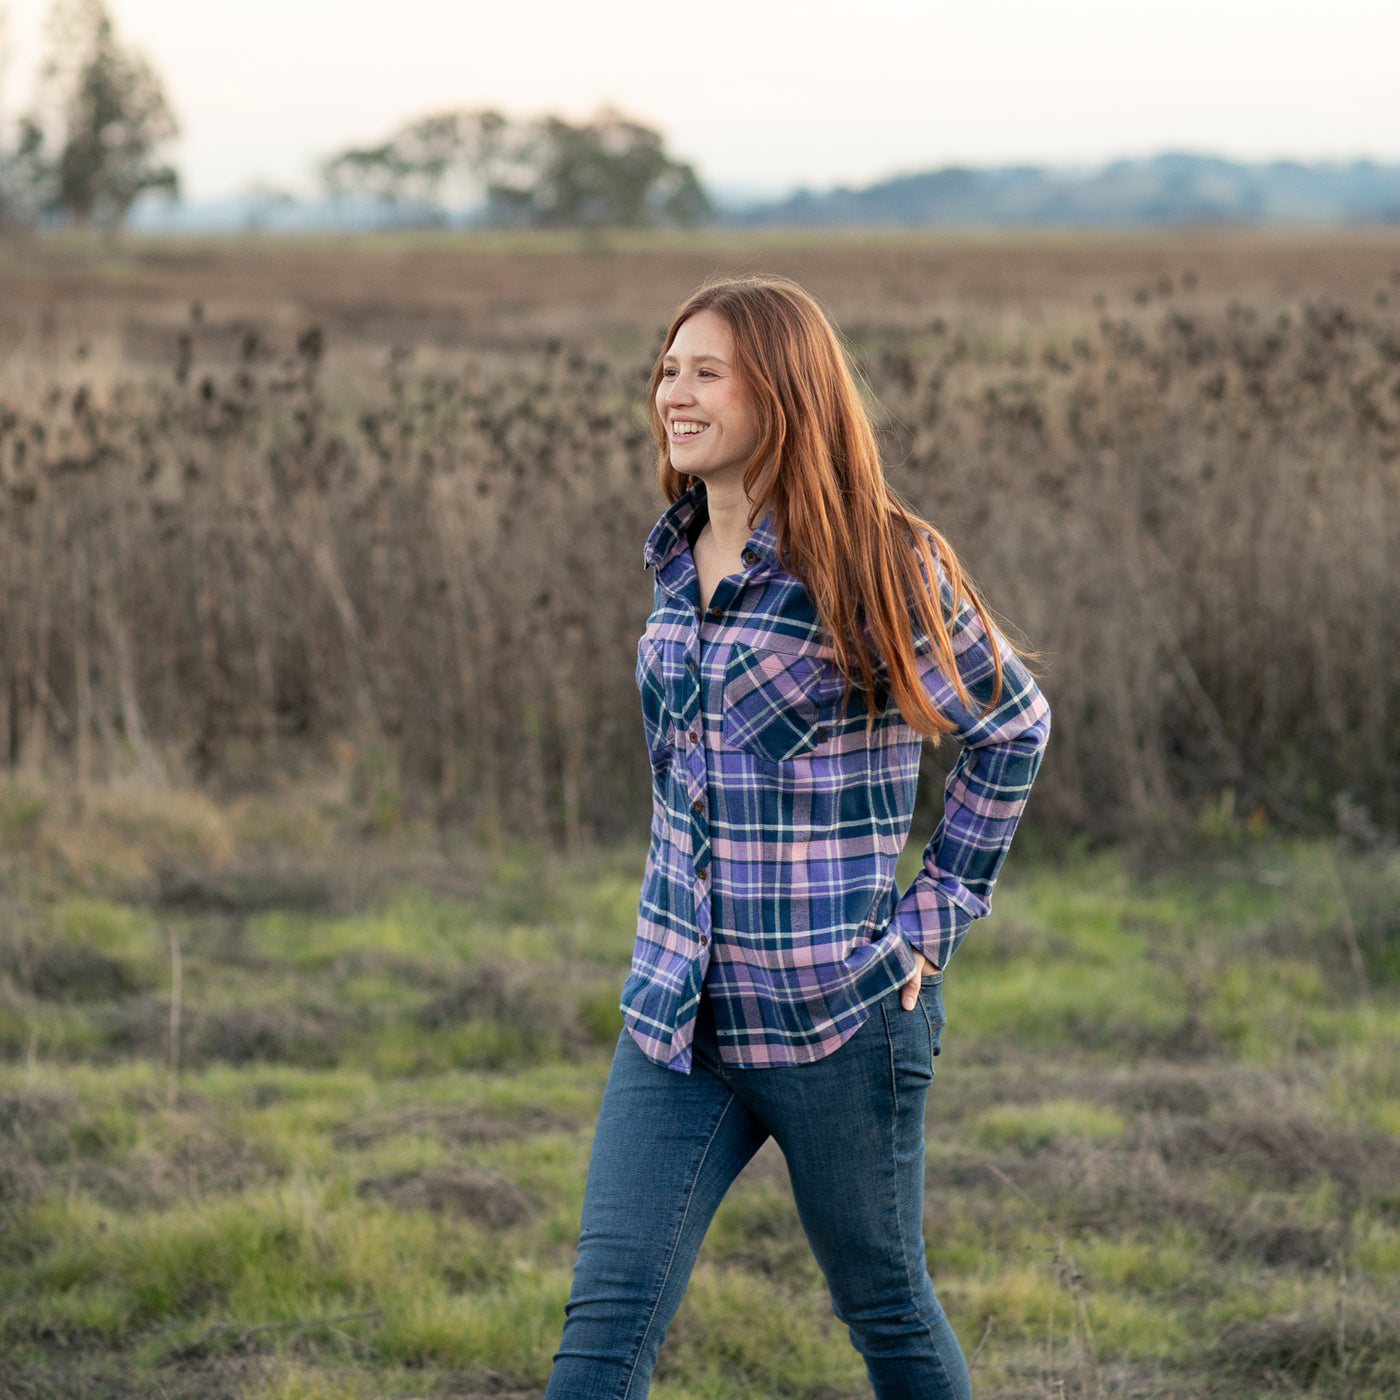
(96, 138)
(607, 171)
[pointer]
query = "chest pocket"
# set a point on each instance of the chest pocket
(778, 705)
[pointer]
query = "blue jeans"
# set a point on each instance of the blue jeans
(669, 1145)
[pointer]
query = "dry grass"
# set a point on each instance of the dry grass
(274, 534)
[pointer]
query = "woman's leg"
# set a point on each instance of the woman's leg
(667, 1148)
(852, 1129)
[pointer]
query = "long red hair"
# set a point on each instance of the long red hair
(870, 564)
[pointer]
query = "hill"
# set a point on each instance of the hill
(1165, 189)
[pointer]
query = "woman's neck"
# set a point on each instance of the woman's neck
(719, 546)
(729, 511)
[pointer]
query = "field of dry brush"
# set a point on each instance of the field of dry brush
(262, 504)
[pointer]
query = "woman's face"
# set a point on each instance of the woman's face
(712, 425)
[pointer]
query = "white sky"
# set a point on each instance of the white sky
(771, 93)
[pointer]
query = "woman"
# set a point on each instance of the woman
(807, 633)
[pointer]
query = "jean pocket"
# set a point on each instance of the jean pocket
(931, 1002)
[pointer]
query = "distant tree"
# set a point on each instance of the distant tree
(426, 166)
(610, 171)
(22, 175)
(110, 112)
(24, 178)
(607, 172)
(263, 200)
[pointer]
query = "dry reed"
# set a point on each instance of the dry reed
(1192, 513)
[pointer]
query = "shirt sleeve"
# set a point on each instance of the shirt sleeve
(985, 793)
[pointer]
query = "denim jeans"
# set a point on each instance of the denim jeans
(667, 1148)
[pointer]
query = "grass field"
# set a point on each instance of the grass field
(291, 1111)
(319, 576)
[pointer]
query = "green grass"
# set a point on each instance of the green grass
(1029, 1127)
(1164, 1140)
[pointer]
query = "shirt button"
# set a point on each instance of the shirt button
(690, 665)
(694, 737)
(750, 558)
(716, 610)
(702, 871)
(703, 940)
(697, 805)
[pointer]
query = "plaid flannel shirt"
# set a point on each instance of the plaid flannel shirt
(777, 818)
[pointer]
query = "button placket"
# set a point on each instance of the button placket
(696, 769)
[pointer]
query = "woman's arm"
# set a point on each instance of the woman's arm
(984, 794)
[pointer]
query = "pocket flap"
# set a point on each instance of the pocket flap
(771, 702)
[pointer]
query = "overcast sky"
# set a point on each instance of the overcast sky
(767, 94)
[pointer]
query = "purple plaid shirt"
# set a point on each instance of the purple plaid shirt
(777, 819)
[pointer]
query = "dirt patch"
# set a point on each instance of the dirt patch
(1189, 1039)
(1281, 1245)
(242, 892)
(480, 1384)
(35, 1135)
(540, 1012)
(100, 1376)
(1190, 1170)
(1151, 1087)
(227, 1376)
(196, 1162)
(1279, 1152)
(451, 1123)
(1300, 1347)
(1122, 1380)
(1180, 1095)
(50, 1143)
(235, 1035)
(241, 1035)
(58, 970)
(34, 1115)
(65, 1376)
(483, 1196)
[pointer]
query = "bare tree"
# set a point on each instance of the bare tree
(111, 111)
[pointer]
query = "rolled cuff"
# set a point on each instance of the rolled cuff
(934, 916)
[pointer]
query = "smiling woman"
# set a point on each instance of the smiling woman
(711, 420)
(712, 430)
(807, 632)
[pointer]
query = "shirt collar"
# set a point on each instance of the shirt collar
(670, 533)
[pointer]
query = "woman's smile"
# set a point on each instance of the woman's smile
(712, 426)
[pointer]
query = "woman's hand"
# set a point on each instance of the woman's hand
(909, 992)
